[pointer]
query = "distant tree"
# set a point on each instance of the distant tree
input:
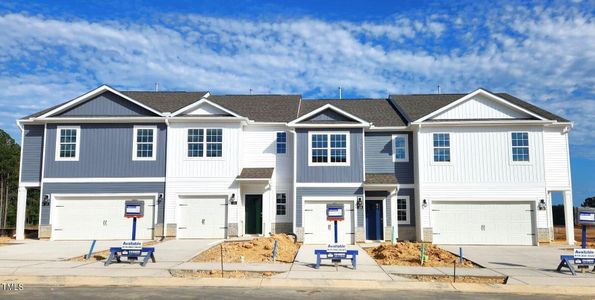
(10, 153)
(589, 202)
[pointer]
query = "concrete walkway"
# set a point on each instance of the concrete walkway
(305, 262)
(525, 265)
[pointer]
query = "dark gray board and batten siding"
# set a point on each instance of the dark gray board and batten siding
(103, 188)
(328, 173)
(105, 151)
(106, 104)
(32, 149)
(325, 192)
(379, 156)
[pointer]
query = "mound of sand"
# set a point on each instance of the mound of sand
(408, 254)
(254, 251)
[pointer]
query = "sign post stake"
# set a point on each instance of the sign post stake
(134, 228)
(336, 233)
(584, 237)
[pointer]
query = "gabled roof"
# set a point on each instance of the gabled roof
(261, 108)
(417, 106)
(166, 101)
(380, 112)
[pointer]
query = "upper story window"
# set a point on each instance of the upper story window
(441, 147)
(67, 143)
(145, 141)
(281, 142)
(329, 148)
(520, 146)
(281, 204)
(400, 148)
(403, 210)
(205, 142)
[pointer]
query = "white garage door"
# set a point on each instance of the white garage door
(317, 230)
(202, 217)
(491, 223)
(98, 219)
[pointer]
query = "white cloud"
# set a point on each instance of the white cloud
(547, 58)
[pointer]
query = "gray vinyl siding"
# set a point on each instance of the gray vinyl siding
(327, 173)
(105, 151)
(32, 153)
(107, 104)
(328, 115)
(102, 188)
(379, 156)
(322, 192)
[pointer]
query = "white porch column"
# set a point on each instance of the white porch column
(21, 209)
(393, 216)
(569, 217)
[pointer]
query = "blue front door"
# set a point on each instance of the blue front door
(374, 220)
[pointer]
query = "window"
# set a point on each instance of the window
(281, 142)
(441, 147)
(520, 146)
(403, 210)
(205, 142)
(281, 204)
(401, 148)
(196, 142)
(67, 143)
(329, 148)
(145, 139)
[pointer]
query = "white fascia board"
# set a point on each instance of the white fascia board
(209, 119)
(103, 179)
(204, 100)
(325, 107)
(473, 94)
(95, 120)
(93, 93)
(485, 123)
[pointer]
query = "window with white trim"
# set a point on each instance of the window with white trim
(400, 148)
(67, 143)
(281, 142)
(329, 148)
(281, 204)
(145, 141)
(203, 142)
(403, 210)
(441, 147)
(520, 146)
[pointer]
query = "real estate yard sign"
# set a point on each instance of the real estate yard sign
(584, 256)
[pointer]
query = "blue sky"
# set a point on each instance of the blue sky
(543, 52)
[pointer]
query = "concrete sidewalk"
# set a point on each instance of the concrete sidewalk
(43, 250)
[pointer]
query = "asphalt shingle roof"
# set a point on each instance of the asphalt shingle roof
(261, 108)
(381, 178)
(377, 111)
(256, 173)
(417, 106)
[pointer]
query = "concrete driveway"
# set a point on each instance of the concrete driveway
(524, 264)
(43, 250)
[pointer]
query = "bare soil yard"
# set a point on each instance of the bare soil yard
(408, 254)
(5, 240)
(560, 235)
(460, 279)
(217, 274)
(254, 251)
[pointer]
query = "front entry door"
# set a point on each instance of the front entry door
(253, 209)
(374, 220)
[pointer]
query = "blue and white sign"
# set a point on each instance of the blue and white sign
(584, 256)
(341, 248)
(586, 215)
(132, 245)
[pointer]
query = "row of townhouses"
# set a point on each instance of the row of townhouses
(477, 168)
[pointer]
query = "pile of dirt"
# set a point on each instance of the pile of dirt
(5, 240)
(459, 279)
(217, 274)
(408, 254)
(103, 255)
(254, 251)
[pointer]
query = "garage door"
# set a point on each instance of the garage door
(98, 219)
(491, 223)
(317, 230)
(202, 217)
